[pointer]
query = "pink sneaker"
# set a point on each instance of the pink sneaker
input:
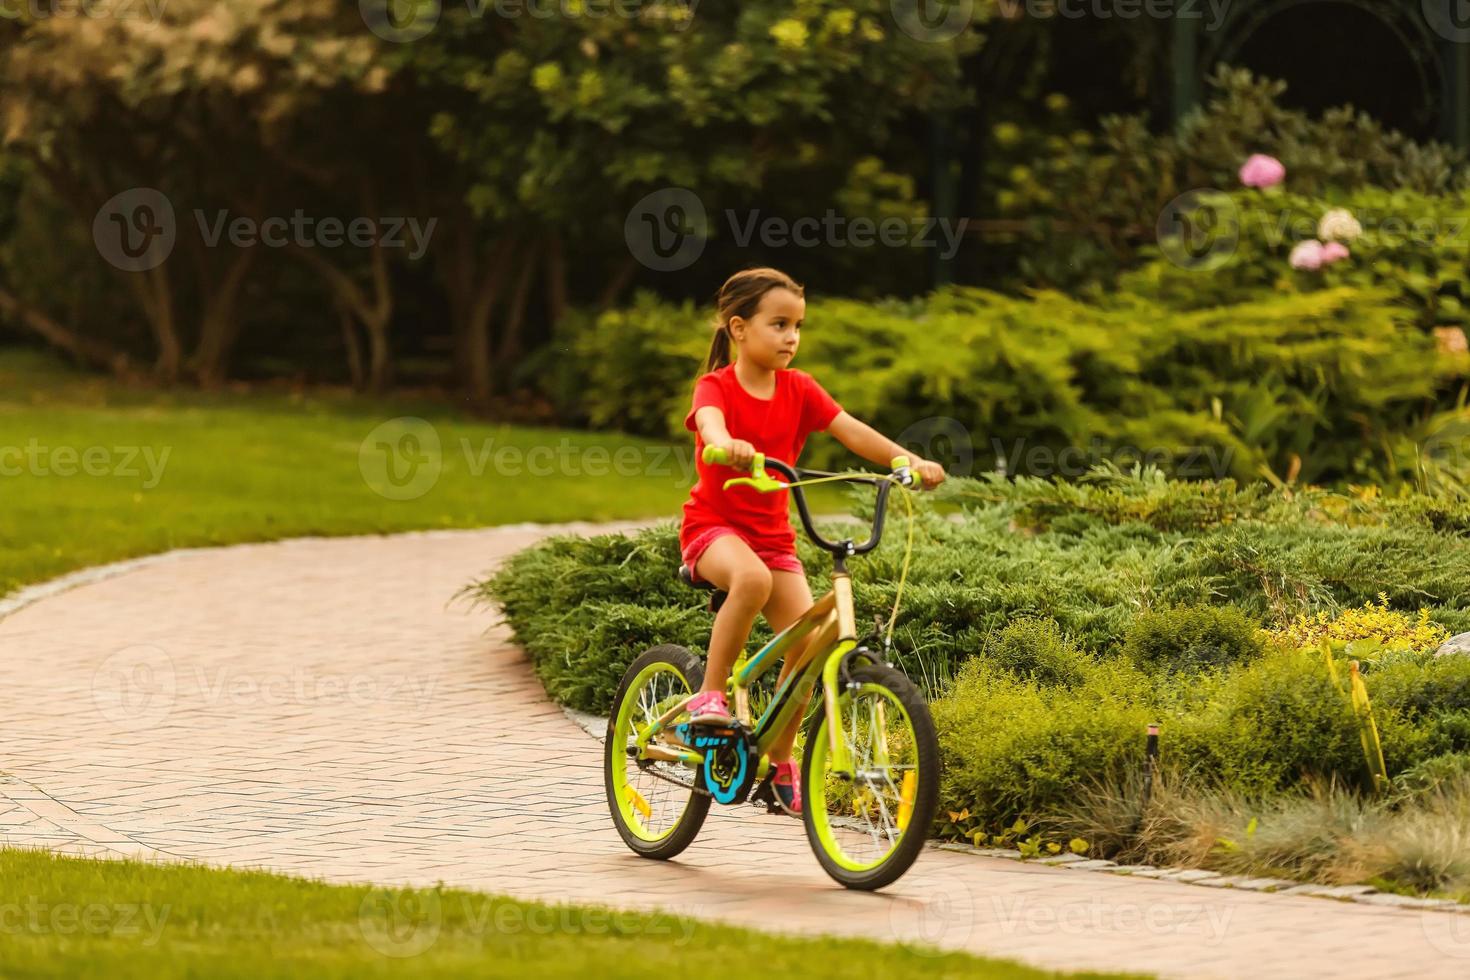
(787, 783)
(709, 708)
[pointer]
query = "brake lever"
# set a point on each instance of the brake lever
(759, 479)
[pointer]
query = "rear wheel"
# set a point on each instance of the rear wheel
(654, 805)
(867, 831)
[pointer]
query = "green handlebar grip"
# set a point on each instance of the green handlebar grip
(714, 454)
(899, 462)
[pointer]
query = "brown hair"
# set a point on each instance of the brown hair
(741, 296)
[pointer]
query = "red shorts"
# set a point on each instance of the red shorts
(774, 559)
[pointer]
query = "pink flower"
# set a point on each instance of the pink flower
(1262, 171)
(1333, 252)
(1307, 255)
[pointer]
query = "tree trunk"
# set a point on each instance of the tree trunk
(508, 351)
(617, 283)
(354, 348)
(219, 326)
(375, 313)
(473, 291)
(154, 294)
(89, 351)
(556, 280)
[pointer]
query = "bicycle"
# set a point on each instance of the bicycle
(870, 771)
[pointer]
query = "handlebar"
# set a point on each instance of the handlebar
(764, 483)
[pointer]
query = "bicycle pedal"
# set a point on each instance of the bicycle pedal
(764, 794)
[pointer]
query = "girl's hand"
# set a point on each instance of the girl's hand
(930, 472)
(741, 453)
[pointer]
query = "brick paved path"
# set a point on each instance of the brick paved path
(319, 707)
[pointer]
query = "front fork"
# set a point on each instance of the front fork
(839, 758)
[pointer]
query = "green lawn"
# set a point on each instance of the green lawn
(93, 472)
(63, 917)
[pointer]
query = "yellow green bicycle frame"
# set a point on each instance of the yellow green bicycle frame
(832, 620)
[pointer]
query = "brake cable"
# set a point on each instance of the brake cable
(908, 551)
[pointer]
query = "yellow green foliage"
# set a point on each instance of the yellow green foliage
(1394, 630)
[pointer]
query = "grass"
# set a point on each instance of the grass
(65, 917)
(187, 468)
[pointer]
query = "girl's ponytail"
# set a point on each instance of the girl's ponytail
(741, 296)
(719, 349)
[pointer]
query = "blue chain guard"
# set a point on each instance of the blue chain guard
(730, 762)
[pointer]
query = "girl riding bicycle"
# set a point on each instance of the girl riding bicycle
(749, 400)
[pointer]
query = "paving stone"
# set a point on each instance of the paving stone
(1189, 874)
(1093, 864)
(396, 739)
(1266, 884)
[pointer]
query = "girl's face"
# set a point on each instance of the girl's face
(770, 337)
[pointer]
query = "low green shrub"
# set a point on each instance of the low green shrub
(1013, 747)
(1035, 649)
(1012, 552)
(1191, 638)
(1046, 384)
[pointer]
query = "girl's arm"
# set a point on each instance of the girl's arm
(710, 421)
(875, 447)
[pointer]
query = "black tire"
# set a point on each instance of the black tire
(691, 669)
(926, 794)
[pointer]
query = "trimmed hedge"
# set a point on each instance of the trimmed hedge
(1336, 382)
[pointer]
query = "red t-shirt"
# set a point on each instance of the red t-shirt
(778, 427)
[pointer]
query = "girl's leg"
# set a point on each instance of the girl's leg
(731, 565)
(790, 597)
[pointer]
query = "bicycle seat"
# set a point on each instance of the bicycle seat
(686, 575)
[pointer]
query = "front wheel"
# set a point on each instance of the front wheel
(867, 830)
(654, 805)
